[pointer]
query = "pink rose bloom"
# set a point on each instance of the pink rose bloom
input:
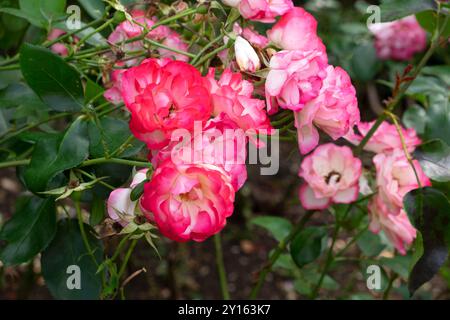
(395, 178)
(220, 143)
(264, 10)
(59, 48)
(331, 175)
(128, 30)
(189, 202)
(296, 30)
(399, 40)
(386, 139)
(163, 96)
(397, 228)
(233, 96)
(119, 205)
(334, 111)
(173, 40)
(251, 36)
(113, 94)
(295, 78)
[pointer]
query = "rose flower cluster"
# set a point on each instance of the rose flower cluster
(183, 117)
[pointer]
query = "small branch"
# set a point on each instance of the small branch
(221, 267)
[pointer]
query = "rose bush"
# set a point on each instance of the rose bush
(141, 124)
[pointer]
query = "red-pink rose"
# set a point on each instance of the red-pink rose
(233, 96)
(189, 202)
(220, 143)
(295, 78)
(163, 96)
(400, 39)
(334, 111)
(331, 175)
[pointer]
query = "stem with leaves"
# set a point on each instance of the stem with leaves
(282, 245)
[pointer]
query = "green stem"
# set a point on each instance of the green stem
(102, 160)
(213, 53)
(83, 232)
(127, 258)
(329, 259)
(390, 285)
(160, 45)
(205, 48)
(133, 163)
(397, 98)
(282, 245)
(97, 30)
(33, 125)
(221, 267)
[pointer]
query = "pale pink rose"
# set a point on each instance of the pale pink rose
(334, 111)
(246, 57)
(173, 40)
(397, 228)
(295, 78)
(331, 175)
(296, 30)
(113, 94)
(189, 202)
(119, 205)
(220, 143)
(163, 96)
(385, 139)
(400, 39)
(59, 48)
(233, 96)
(251, 36)
(395, 178)
(264, 10)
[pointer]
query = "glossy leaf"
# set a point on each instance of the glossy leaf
(56, 154)
(429, 211)
(57, 83)
(308, 245)
(278, 227)
(111, 134)
(434, 158)
(29, 231)
(95, 8)
(396, 9)
(67, 249)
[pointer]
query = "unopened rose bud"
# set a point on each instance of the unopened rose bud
(231, 3)
(246, 57)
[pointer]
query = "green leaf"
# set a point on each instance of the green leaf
(97, 211)
(398, 264)
(429, 211)
(434, 158)
(415, 117)
(95, 8)
(428, 19)
(442, 72)
(138, 191)
(308, 245)
(364, 63)
(396, 9)
(56, 154)
(370, 244)
(95, 40)
(67, 249)
(29, 231)
(438, 118)
(93, 90)
(111, 133)
(57, 83)
(42, 12)
(278, 227)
